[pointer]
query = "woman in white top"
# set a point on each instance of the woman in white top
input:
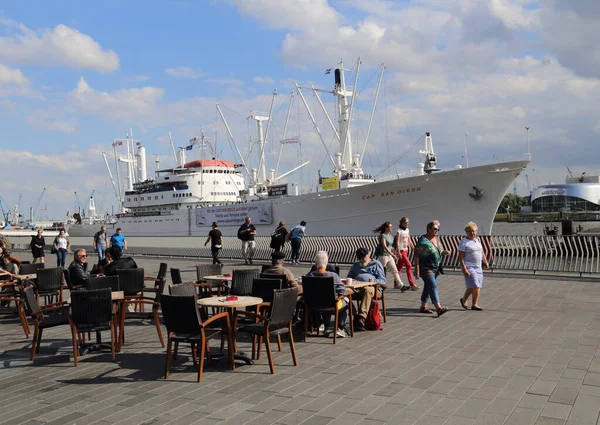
(62, 244)
(403, 242)
(471, 255)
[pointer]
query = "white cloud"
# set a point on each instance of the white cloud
(12, 76)
(182, 72)
(137, 78)
(64, 162)
(61, 46)
(227, 81)
(14, 83)
(263, 80)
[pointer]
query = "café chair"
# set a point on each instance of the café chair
(184, 324)
(264, 267)
(162, 274)
(241, 281)
(49, 284)
(104, 282)
(67, 278)
(131, 282)
(30, 268)
(264, 288)
(187, 289)
(141, 314)
(91, 311)
(176, 276)
(320, 296)
(42, 319)
(209, 270)
(279, 321)
(13, 292)
(282, 277)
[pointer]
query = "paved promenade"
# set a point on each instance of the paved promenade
(531, 357)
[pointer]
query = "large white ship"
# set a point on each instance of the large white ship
(185, 200)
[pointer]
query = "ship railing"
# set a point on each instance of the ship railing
(577, 254)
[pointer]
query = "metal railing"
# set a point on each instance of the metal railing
(561, 254)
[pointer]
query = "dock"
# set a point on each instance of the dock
(532, 357)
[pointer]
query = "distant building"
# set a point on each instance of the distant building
(576, 194)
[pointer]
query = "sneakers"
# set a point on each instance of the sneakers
(415, 288)
(341, 333)
(322, 328)
(359, 325)
(327, 330)
(404, 288)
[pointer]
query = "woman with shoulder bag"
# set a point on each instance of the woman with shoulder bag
(279, 237)
(37, 246)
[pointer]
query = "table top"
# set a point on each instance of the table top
(222, 302)
(25, 276)
(356, 284)
(218, 277)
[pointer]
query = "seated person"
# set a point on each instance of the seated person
(77, 268)
(277, 259)
(365, 270)
(321, 263)
(329, 268)
(116, 260)
(10, 264)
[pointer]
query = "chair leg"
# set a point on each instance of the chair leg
(335, 326)
(112, 339)
(23, 318)
(207, 350)
(279, 342)
(259, 347)
(158, 330)
(351, 316)
(306, 315)
(75, 345)
(201, 366)
(175, 351)
(292, 346)
(383, 307)
(168, 362)
(122, 324)
(269, 354)
(231, 334)
(36, 331)
(253, 347)
(194, 354)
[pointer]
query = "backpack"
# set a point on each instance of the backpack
(373, 320)
(241, 235)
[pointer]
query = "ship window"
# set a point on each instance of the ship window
(161, 197)
(156, 197)
(141, 198)
(220, 171)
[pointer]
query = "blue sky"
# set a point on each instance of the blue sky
(74, 77)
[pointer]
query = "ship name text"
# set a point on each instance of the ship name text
(392, 193)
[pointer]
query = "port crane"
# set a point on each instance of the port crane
(37, 205)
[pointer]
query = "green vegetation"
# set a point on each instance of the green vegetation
(512, 203)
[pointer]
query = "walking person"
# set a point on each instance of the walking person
(296, 235)
(37, 246)
(215, 237)
(471, 255)
(385, 254)
(61, 245)
(428, 267)
(278, 237)
(403, 242)
(118, 239)
(246, 234)
(100, 242)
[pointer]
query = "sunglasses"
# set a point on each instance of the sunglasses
(83, 256)
(436, 229)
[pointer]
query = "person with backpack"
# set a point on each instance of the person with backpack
(100, 242)
(295, 236)
(365, 270)
(385, 253)
(278, 237)
(246, 234)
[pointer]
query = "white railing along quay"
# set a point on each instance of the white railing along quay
(561, 254)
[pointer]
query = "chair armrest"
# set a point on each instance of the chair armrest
(5, 285)
(215, 318)
(340, 297)
(56, 307)
(153, 279)
(251, 314)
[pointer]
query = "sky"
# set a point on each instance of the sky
(76, 76)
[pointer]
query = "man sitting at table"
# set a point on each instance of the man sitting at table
(365, 270)
(116, 260)
(321, 262)
(277, 259)
(77, 268)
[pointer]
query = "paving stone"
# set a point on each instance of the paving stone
(585, 411)
(542, 387)
(556, 411)
(566, 391)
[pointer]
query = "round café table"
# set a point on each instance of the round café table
(231, 306)
(223, 281)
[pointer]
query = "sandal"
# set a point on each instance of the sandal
(463, 304)
(441, 311)
(425, 310)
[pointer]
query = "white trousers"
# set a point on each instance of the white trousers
(248, 249)
(390, 262)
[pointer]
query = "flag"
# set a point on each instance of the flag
(238, 165)
(328, 71)
(189, 148)
(120, 143)
(138, 143)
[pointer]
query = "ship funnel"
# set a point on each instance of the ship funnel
(141, 157)
(271, 175)
(338, 77)
(181, 158)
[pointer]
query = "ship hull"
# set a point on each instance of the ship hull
(453, 197)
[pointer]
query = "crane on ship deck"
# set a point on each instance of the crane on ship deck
(37, 205)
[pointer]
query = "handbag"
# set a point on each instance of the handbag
(53, 250)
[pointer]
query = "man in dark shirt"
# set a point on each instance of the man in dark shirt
(216, 242)
(77, 268)
(117, 261)
(246, 233)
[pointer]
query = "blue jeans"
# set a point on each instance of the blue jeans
(430, 289)
(100, 250)
(61, 258)
(296, 243)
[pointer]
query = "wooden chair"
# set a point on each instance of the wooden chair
(30, 268)
(42, 319)
(279, 322)
(13, 292)
(284, 280)
(162, 274)
(91, 311)
(241, 281)
(209, 270)
(176, 276)
(320, 296)
(184, 324)
(67, 278)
